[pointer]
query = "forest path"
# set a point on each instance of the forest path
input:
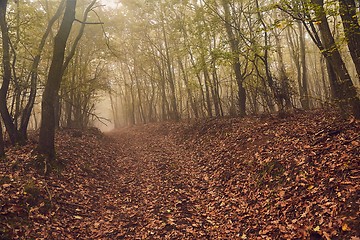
(249, 178)
(238, 179)
(161, 188)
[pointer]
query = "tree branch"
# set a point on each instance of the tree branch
(93, 23)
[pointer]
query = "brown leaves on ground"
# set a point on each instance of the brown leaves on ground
(250, 178)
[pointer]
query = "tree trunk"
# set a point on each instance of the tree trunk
(25, 117)
(174, 109)
(114, 109)
(323, 78)
(8, 121)
(131, 106)
(206, 84)
(347, 96)
(139, 95)
(2, 148)
(351, 26)
(198, 77)
(304, 92)
(188, 90)
(236, 61)
(47, 128)
(275, 87)
(215, 91)
(284, 88)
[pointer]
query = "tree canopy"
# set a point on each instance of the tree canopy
(171, 60)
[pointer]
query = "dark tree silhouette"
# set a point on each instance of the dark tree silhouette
(47, 128)
(8, 122)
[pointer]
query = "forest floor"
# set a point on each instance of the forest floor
(261, 177)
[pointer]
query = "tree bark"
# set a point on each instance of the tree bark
(8, 121)
(2, 147)
(277, 95)
(304, 91)
(206, 84)
(284, 88)
(47, 128)
(174, 108)
(351, 26)
(346, 93)
(215, 91)
(139, 95)
(236, 61)
(26, 113)
(188, 90)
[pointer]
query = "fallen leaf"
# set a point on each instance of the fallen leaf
(345, 227)
(282, 194)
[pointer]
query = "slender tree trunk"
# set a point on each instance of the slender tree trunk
(114, 109)
(25, 117)
(164, 103)
(265, 59)
(304, 91)
(346, 93)
(174, 109)
(207, 87)
(334, 86)
(215, 79)
(188, 90)
(69, 104)
(351, 26)
(140, 98)
(294, 41)
(2, 147)
(215, 92)
(152, 106)
(323, 78)
(284, 80)
(198, 77)
(131, 107)
(79, 35)
(195, 105)
(8, 121)
(236, 61)
(47, 128)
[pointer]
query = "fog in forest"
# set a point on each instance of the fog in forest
(140, 61)
(103, 110)
(110, 64)
(179, 119)
(172, 60)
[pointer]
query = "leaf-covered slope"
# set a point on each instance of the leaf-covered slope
(281, 178)
(250, 178)
(67, 202)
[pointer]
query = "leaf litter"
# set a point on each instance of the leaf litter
(258, 177)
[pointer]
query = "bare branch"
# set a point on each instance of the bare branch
(93, 23)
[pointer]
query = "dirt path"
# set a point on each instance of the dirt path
(219, 186)
(296, 178)
(159, 189)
